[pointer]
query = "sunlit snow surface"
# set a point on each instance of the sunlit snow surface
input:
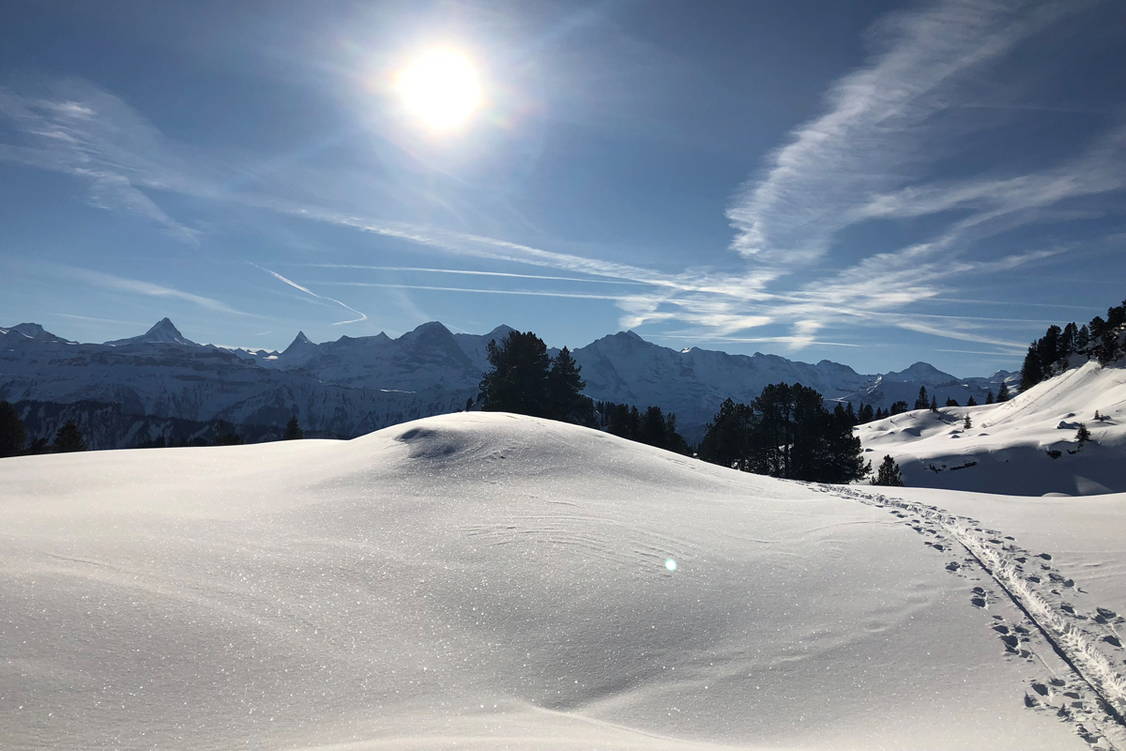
(1006, 448)
(492, 581)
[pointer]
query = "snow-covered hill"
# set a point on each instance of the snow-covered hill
(1025, 446)
(357, 384)
(493, 581)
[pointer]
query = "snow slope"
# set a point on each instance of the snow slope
(1007, 448)
(484, 580)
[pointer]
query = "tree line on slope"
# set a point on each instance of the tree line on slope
(867, 413)
(16, 438)
(1059, 349)
(785, 432)
(13, 436)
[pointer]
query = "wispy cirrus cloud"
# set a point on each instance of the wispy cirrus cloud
(873, 155)
(140, 287)
(874, 137)
(311, 293)
(94, 137)
(470, 272)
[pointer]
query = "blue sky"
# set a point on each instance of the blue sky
(872, 183)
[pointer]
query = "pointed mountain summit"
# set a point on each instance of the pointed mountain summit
(162, 332)
(300, 342)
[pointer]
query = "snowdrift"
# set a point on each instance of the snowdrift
(493, 581)
(1025, 446)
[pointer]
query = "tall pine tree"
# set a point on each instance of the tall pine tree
(518, 380)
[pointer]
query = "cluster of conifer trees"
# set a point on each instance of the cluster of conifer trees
(1058, 349)
(13, 436)
(652, 426)
(786, 432)
(527, 381)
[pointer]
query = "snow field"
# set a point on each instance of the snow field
(487, 580)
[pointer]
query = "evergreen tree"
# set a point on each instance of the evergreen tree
(971, 402)
(69, 438)
(225, 434)
(293, 430)
(1083, 340)
(1048, 349)
(1031, 372)
(896, 408)
(1083, 435)
(1108, 346)
(12, 432)
(518, 381)
(1003, 393)
(967, 423)
(951, 402)
(921, 402)
(786, 432)
(866, 413)
(934, 404)
(989, 396)
(564, 389)
(1116, 316)
(727, 440)
(1067, 343)
(618, 421)
(652, 431)
(889, 474)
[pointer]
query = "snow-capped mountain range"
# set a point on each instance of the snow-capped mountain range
(355, 385)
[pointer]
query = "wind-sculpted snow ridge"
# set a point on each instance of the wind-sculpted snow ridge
(1036, 588)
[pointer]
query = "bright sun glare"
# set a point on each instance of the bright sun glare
(441, 88)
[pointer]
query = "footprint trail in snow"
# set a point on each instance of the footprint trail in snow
(1086, 686)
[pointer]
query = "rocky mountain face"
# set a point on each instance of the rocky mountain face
(355, 385)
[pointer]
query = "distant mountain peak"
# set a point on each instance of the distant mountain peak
(162, 332)
(33, 331)
(299, 343)
(164, 327)
(923, 372)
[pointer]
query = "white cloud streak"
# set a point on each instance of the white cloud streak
(471, 272)
(148, 289)
(869, 157)
(284, 280)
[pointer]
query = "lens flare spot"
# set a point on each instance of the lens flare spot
(670, 564)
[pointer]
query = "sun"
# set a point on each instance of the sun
(440, 88)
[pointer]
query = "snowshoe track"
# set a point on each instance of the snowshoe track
(1092, 698)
